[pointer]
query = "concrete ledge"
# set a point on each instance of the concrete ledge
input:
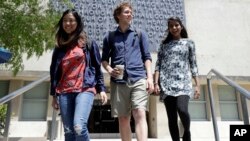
(25, 139)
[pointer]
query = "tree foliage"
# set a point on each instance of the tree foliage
(26, 26)
(3, 109)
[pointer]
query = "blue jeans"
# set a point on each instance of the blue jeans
(75, 109)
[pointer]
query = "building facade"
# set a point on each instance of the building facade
(220, 30)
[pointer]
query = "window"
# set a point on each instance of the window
(197, 107)
(34, 105)
(4, 88)
(228, 103)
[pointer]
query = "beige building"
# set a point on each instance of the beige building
(220, 29)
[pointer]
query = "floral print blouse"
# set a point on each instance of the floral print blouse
(176, 64)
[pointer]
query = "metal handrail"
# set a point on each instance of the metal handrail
(9, 97)
(244, 94)
(229, 82)
(22, 90)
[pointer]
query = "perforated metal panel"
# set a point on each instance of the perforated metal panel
(149, 15)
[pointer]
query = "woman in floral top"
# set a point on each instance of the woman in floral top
(175, 67)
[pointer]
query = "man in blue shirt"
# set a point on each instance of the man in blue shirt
(130, 48)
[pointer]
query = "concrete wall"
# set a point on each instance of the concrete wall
(221, 30)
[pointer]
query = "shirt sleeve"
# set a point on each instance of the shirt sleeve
(52, 72)
(158, 60)
(192, 59)
(97, 64)
(145, 47)
(106, 50)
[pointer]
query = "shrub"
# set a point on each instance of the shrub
(3, 109)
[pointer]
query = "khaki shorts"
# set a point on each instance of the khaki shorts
(125, 97)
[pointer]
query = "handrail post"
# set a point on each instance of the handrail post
(216, 132)
(7, 122)
(244, 109)
(53, 125)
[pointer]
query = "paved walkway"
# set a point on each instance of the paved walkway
(107, 139)
(164, 139)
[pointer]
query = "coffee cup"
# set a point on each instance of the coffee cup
(121, 71)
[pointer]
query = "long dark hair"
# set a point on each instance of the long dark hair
(65, 40)
(169, 37)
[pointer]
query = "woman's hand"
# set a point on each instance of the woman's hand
(156, 89)
(104, 98)
(55, 104)
(197, 92)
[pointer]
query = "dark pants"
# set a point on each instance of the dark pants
(178, 105)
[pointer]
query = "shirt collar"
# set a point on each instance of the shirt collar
(130, 28)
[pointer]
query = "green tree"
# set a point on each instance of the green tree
(26, 26)
(3, 109)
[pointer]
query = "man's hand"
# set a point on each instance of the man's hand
(114, 72)
(150, 85)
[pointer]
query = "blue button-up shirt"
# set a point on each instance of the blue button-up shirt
(130, 50)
